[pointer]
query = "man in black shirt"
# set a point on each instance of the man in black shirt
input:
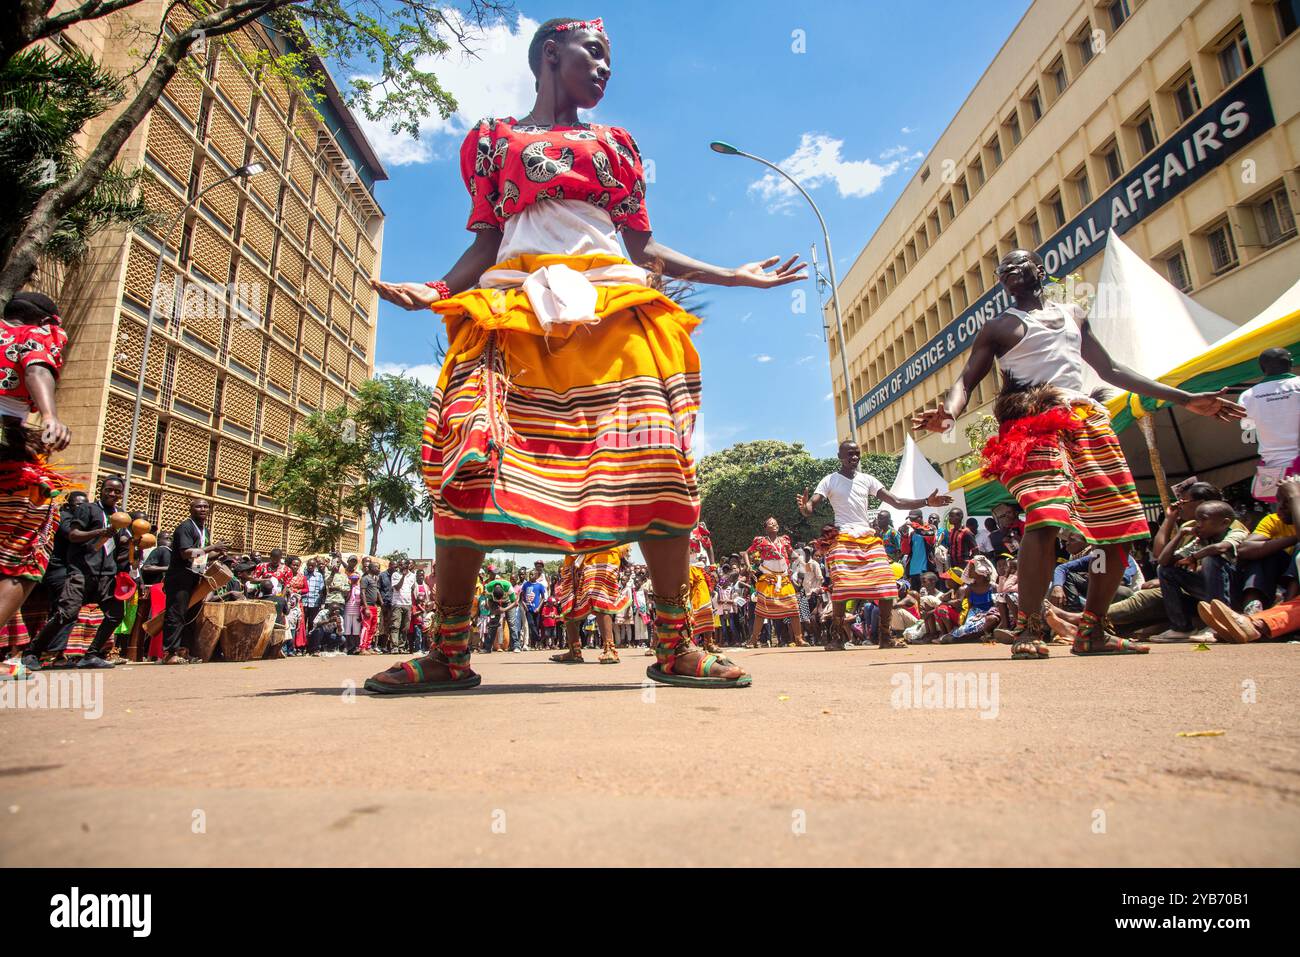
(93, 551)
(190, 545)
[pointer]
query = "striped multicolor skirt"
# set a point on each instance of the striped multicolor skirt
(860, 569)
(774, 597)
(703, 617)
(565, 442)
(591, 587)
(1072, 477)
(28, 519)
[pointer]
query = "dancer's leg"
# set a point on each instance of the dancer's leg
(668, 561)
(13, 592)
(448, 657)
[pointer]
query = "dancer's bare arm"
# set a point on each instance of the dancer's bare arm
(55, 436)
(648, 253)
(473, 262)
(982, 353)
(1214, 404)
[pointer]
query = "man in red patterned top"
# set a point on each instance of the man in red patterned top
(31, 354)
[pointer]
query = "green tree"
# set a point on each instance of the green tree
(753, 480)
(366, 459)
(382, 46)
(47, 96)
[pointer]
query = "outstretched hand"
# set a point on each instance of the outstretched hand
(755, 274)
(803, 501)
(409, 295)
(935, 499)
(1216, 405)
(938, 419)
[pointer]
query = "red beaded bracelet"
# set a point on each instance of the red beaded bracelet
(444, 291)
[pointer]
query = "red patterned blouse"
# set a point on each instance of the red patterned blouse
(24, 346)
(507, 167)
(766, 550)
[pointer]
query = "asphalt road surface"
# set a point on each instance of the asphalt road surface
(829, 759)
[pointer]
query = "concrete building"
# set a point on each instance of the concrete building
(1175, 122)
(276, 318)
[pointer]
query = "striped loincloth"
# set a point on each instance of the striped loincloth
(567, 442)
(860, 569)
(1077, 478)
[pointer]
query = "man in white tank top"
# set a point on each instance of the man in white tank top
(1055, 450)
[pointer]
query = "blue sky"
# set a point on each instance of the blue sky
(846, 96)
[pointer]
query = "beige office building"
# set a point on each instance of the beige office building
(1176, 122)
(276, 316)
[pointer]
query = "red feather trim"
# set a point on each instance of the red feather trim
(1005, 454)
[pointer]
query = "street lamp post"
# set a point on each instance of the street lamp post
(244, 172)
(726, 149)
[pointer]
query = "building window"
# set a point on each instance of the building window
(948, 210)
(1058, 209)
(976, 170)
(1145, 127)
(1035, 101)
(1114, 163)
(1234, 56)
(994, 146)
(962, 191)
(1186, 97)
(1035, 233)
(1083, 43)
(1058, 76)
(925, 174)
(935, 226)
(1082, 187)
(1119, 12)
(1176, 269)
(1288, 16)
(1276, 220)
(1223, 251)
(1012, 123)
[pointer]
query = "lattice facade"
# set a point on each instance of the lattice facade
(270, 274)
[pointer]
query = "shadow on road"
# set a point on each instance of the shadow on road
(339, 691)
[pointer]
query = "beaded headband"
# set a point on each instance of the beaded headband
(595, 26)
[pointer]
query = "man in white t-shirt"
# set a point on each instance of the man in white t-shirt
(856, 556)
(1273, 410)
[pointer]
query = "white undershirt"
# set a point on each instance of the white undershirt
(567, 227)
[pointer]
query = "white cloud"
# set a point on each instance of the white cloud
(907, 130)
(425, 372)
(745, 317)
(828, 396)
(496, 83)
(817, 161)
(762, 358)
(804, 359)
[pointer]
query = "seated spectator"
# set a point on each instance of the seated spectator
(1199, 564)
(1266, 559)
(1069, 588)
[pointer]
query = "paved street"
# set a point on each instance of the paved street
(281, 763)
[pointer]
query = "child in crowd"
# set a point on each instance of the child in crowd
(1199, 564)
(980, 613)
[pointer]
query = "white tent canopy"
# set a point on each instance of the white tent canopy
(917, 478)
(1143, 321)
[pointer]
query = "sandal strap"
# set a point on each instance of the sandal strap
(703, 666)
(414, 670)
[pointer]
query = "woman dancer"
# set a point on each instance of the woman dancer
(31, 354)
(562, 418)
(774, 595)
